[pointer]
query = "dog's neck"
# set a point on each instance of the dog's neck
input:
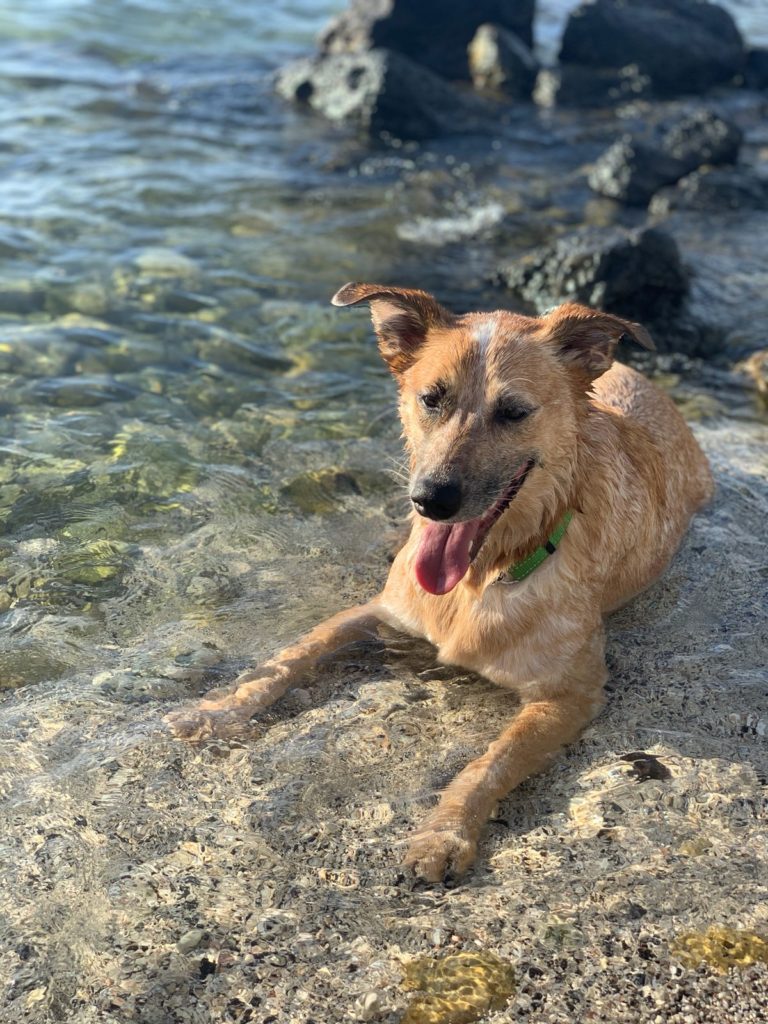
(527, 525)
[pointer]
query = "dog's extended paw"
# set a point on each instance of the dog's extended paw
(435, 854)
(209, 721)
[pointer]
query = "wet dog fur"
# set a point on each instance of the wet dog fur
(510, 422)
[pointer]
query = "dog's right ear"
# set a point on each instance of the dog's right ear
(401, 318)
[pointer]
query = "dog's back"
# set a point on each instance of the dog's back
(642, 402)
(675, 468)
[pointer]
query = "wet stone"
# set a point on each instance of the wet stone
(715, 190)
(90, 298)
(631, 171)
(319, 492)
(432, 33)
(230, 349)
(499, 62)
(633, 168)
(637, 274)
(684, 46)
(191, 940)
(383, 93)
(159, 262)
(79, 392)
(21, 297)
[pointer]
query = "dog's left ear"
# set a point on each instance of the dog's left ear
(586, 338)
(401, 318)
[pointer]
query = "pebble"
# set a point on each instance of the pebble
(162, 262)
(191, 940)
(370, 1006)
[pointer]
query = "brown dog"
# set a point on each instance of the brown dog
(550, 486)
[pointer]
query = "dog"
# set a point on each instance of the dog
(550, 485)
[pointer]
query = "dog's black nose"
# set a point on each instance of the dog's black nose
(436, 500)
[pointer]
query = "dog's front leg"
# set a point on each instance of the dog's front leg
(259, 687)
(446, 844)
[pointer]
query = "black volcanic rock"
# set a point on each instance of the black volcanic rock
(684, 46)
(499, 62)
(756, 70)
(636, 274)
(434, 33)
(714, 190)
(632, 169)
(702, 137)
(383, 93)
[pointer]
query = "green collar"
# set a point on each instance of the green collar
(520, 570)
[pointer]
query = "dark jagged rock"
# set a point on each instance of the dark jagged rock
(572, 85)
(637, 274)
(716, 190)
(499, 62)
(633, 169)
(701, 138)
(433, 33)
(756, 70)
(382, 93)
(685, 46)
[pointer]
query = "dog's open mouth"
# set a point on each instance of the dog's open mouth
(446, 550)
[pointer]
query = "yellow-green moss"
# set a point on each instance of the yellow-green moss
(721, 948)
(458, 988)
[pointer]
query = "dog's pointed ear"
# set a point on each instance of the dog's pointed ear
(401, 318)
(586, 339)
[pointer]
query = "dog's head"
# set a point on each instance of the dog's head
(491, 405)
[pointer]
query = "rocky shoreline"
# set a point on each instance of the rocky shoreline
(678, 125)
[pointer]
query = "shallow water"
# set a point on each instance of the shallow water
(198, 452)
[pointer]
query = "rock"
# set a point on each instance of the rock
(756, 367)
(319, 492)
(702, 138)
(382, 93)
(756, 69)
(161, 262)
(571, 85)
(637, 274)
(684, 46)
(715, 190)
(190, 940)
(433, 33)
(369, 1006)
(499, 62)
(632, 169)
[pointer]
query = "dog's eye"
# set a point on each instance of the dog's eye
(432, 400)
(511, 412)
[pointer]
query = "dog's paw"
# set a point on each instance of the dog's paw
(435, 854)
(208, 720)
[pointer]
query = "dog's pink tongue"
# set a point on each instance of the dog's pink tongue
(442, 558)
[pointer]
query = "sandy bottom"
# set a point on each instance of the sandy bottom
(146, 881)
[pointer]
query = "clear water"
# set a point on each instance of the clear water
(197, 451)
(172, 376)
